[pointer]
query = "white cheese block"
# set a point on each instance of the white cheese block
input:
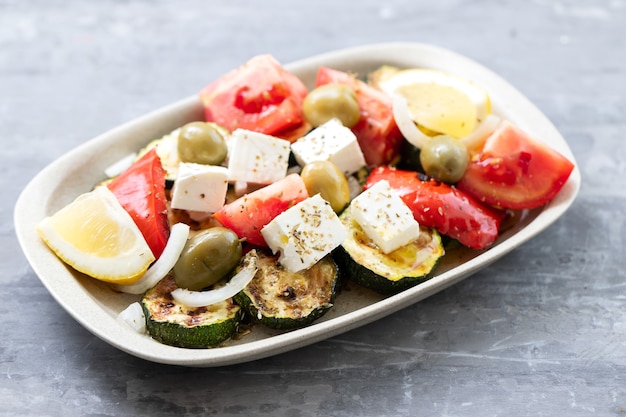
(200, 188)
(384, 217)
(257, 158)
(304, 233)
(332, 142)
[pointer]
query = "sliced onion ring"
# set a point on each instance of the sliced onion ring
(134, 317)
(175, 244)
(475, 140)
(120, 166)
(405, 123)
(205, 298)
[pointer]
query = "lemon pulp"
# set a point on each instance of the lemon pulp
(439, 103)
(440, 108)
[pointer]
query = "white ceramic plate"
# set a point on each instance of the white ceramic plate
(95, 306)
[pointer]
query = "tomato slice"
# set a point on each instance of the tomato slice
(515, 171)
(247, 215)
(376, 131)
(443, 207)
(141, 191)
(260, 95)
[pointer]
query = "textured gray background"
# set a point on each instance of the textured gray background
(540, 333)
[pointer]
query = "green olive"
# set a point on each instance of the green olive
(444, 158)
(329, 101)
(325, 178)
(201, 143)
(207, 257)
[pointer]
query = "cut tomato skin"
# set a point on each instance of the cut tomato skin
(260, 96)
(376, 131)
(443, 207)
(141, 191)
(247, 215)
(515, 171)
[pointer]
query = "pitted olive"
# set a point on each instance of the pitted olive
(325, 178)
(444, 158)
(201, 143)
(207, 257)
(332, 101)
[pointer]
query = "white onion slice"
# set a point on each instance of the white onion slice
(175, 244)
(476, 139)
(134, 317)
(405, 123)
(205, 298)
(120, 166)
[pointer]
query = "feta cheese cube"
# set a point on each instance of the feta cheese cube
(304, 233)
(200, 187)
(384, 217)
(258, 158)
(332, 142)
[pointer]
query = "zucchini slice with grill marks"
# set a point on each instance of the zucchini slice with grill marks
(362, 261)
(176, 324)
(285, 300)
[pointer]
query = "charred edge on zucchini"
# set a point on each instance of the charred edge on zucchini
(284, 300)
(178, 325)
(362, 262)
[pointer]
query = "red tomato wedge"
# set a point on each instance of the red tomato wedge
(443, 207)
(260, 95)
(376, 131)
(515, 171)
(247, 215)
(141, 191)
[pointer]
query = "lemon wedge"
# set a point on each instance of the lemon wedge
(438, 102)
(96, 236)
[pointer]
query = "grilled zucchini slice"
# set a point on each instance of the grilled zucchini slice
(285, 300)
(176, 324)
(362, 261)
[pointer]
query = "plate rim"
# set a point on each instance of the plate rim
(71, 296)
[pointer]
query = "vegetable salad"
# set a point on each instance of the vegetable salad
(259, 212)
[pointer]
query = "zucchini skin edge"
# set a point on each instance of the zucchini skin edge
(199, 337)
(365, 277)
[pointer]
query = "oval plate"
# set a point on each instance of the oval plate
(95, 306)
